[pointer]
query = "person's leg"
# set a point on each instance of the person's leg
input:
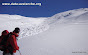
(12, 54)
(3, 53)
(7, 53)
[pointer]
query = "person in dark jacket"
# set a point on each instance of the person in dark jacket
(11, 45)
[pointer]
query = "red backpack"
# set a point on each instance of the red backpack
(3, 39)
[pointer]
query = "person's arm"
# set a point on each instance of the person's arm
(13, 42)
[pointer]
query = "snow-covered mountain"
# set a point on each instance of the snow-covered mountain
(64, 33)
(28, 25)
(67, 16)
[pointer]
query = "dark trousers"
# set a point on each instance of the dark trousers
(8, 53)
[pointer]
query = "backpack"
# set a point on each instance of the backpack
(3, 39)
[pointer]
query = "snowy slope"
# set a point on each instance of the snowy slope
(64, 16)
(62, 34)
(62, 38)
(28, 25)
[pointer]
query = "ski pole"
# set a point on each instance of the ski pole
(19, 52)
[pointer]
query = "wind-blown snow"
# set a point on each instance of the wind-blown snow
(62, 34)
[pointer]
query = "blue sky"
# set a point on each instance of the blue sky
(48, 8)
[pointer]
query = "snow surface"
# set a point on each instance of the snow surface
(64, 33)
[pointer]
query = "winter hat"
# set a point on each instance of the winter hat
(17, 30)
